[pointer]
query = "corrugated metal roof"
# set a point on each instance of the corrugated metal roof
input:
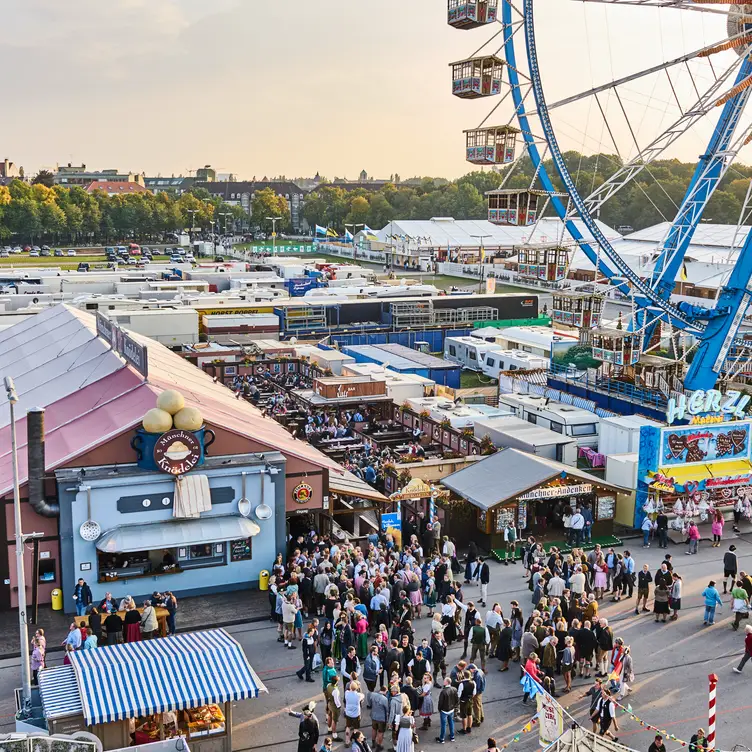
(425, 360)
(92, 396)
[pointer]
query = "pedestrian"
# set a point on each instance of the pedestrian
(608, 716)
(371, 671)
(693, 538)
(353, 700)
(532, 671)
(95, 623)
(379, 714)
(647, 528)
(73, 638)
(115, 628)
(359, 743)
(661, 527)
(426, 701)
(717, 527)
(627, 673)
(747, 649)
(308, 730)
(510, 543)
(675, 596)
(466, 691)
(712, 600)
(567, 662)
(504, 650)
(660, 604)
(289, 611)
(91, 641)
(657, 745)
(82, 596)
(586, 644)
(595, 693)
(396, 702)
(484, 575)
(333, 704)
(149, 623)
(644, 578)
(37, 659)
(447, 704)
(479, 677)
(729, 568)
(491, 745)
(308, 644)
(405, 726)
(479, 639)
(171, 604)
(605, 638)
(698, 742)
(739, 605)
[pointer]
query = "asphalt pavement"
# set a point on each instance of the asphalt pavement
(671, 661)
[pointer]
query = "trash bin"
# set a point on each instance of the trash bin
(57, 599)
(263, 583)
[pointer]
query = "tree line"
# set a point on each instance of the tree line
(653, 196)
(40, 213)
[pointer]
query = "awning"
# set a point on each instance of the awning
(175, 533)
(58, 690)
(350, 485)
(173, 673)
(709, 474)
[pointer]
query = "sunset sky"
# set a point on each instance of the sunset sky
(271, 88)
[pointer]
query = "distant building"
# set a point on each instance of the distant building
(242, 193)
(78, 175)
(178, 184)
(206, 174)
(116, 187)
(10, 170)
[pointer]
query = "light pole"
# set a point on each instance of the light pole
(354, 226)
(225, 215)
(20, 541)
(482, 259)
(274, 221)
(213, 236)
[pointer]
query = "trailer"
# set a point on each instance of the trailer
(498, 361)
(469, 352)
(173, 327)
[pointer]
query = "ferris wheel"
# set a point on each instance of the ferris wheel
(650, 78)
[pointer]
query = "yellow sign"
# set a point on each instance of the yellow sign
(415, 489)
(705, 420)
(274, 234)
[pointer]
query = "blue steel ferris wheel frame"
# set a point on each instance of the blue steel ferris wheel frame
(652, 299)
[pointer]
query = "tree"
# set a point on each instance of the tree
(44, 177)
(268, 204)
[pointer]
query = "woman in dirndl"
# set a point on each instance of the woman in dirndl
(361, 635)
(426, 701)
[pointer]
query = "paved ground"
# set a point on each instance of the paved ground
(672, 663)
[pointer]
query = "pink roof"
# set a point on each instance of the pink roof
(84, 411)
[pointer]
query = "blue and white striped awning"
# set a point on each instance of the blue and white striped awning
(173, 673)
(58, 690)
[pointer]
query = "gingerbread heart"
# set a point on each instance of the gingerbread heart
(676, 445)
(723, 445)
(694, 453)
(739, 440)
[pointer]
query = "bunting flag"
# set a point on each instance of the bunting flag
(331, 233)
(320, 230)
(526, 729)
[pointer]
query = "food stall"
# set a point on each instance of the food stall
(192, 681)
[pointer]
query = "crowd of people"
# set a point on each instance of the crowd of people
(362, 604)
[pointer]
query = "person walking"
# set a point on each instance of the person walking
(739, 605)
(479, 677)
(82, 596)
(353, 701)
(379, 714)
(712, 601)
(657, 745)
(479, 640)
(308, 644)
(447, 704)
(608, 716)
(747, 649)
(698, 742)
(644, 578)
(647, 528)
(627, 674)
(426, 700)
(567, 662)
(730, 568)
(717, 528)
(466, 691)
(693, 536)
(405, 725)
(661, 527)
(37, 659)
(308, 730)
(485, 578)
(333, 703)
(531, 670)
(675, 596)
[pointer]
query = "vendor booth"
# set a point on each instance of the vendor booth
(137, 693)
(690, 471)
(532, 493)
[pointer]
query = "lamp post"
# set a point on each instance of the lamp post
(274, 221)
(482, 259)
(354, 226)
(10, 390)
(213, 236)
(225, 215)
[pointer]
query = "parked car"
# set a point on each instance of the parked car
(219, 259)
(45, 252)
(35, 254)
(59, 252)
(71, 252)
(4, 254)
(45, 248)
(83, 267)
(17, 249)
(190, 257)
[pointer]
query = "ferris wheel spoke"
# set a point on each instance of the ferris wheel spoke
(645, 156)
(704, 52)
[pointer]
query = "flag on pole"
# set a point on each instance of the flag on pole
(684, 275)
(367, 229)
(331, 233)
(320, 230)
(349, 236)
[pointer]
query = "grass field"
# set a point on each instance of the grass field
(63, 262)
(471, 380)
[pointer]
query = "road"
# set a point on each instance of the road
(672, 662)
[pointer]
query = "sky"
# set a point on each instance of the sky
(304, 86)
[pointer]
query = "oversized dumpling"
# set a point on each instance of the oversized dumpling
(171, 401)
(188, 419)
(157, 421)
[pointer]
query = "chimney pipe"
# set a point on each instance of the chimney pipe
(36, 464)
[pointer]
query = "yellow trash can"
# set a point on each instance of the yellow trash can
(57, 599)
(263, 581)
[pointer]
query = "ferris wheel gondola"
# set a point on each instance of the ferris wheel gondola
(720, 75)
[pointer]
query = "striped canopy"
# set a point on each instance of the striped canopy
(173, 673)
(59, 692)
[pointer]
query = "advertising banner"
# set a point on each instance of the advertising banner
(704, 443)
